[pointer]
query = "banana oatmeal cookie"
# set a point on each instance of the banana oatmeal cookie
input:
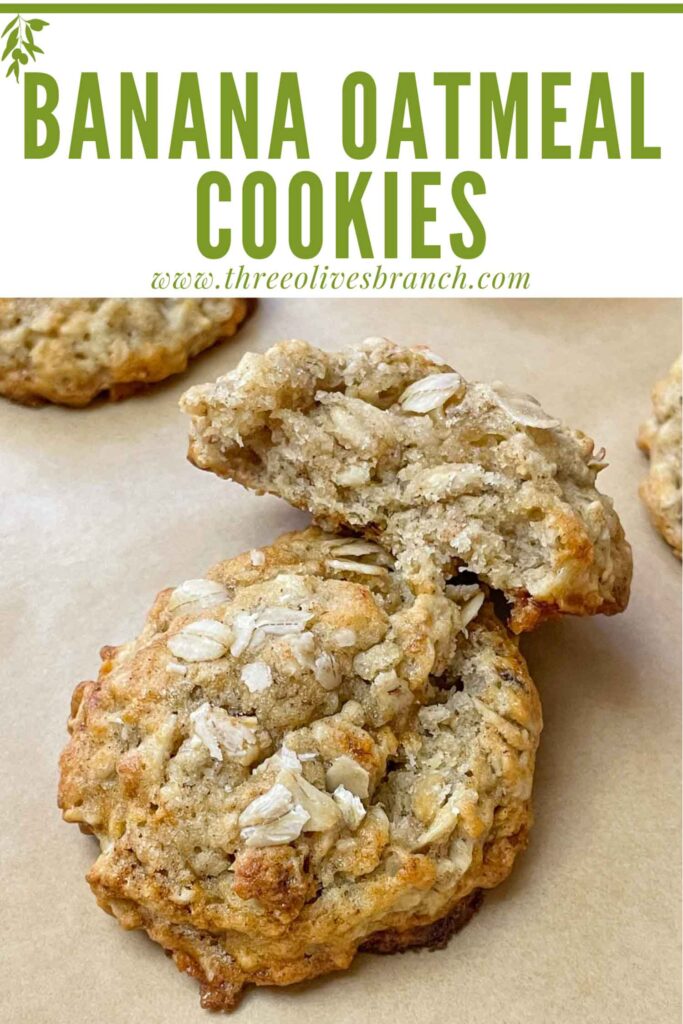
(447, 474)
(299, 758)
(68, 351)
(660, 438)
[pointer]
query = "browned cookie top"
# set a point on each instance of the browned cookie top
(70, 350)
(298, 753)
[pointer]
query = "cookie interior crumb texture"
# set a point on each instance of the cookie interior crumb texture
(69, 351)
(448, 475)
(299, 757)
(660, 439)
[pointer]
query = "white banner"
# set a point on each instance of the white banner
(590, 224)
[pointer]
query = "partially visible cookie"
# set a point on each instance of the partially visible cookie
(298, 758)
(70, 350)
(449, 475)
(660, 438)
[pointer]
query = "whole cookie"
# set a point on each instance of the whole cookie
(70, 350)
(298, 758)
(660, 438)
(447, 474)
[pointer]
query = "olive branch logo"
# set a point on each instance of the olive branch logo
(20, 43)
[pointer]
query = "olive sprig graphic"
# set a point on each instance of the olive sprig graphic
(21, 45)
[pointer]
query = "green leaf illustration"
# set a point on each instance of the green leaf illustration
(20, 42)
(11, 43)
(9, 25)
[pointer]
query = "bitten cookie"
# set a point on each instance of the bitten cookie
(660, 438)
(298, 758)
(446, 474)
(68, 351)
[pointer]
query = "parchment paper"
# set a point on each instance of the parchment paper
(99, 510)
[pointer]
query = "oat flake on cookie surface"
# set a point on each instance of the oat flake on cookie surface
(69, 351)
(447, 474)
(297, 759)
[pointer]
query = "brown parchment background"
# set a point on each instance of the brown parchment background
(99, 510)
